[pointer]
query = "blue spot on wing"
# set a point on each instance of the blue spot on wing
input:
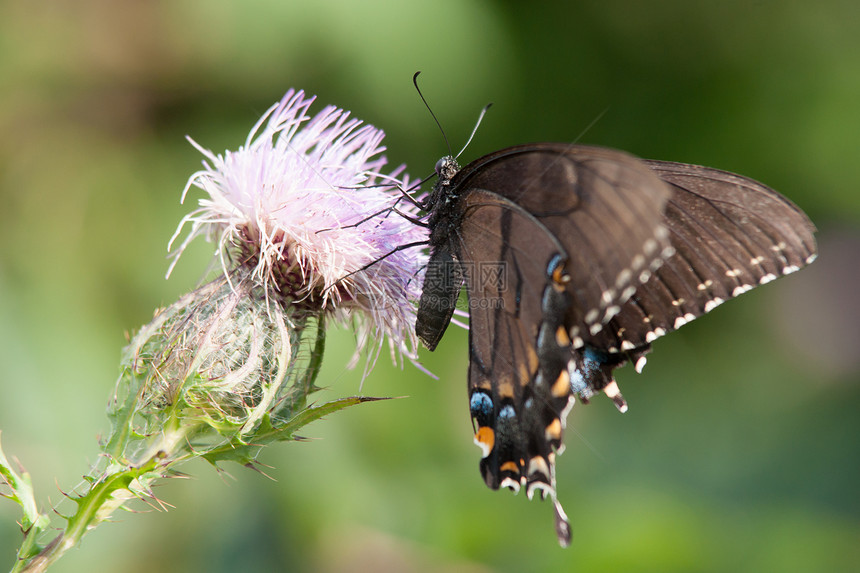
(481, 406)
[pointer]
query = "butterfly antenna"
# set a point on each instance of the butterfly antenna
(475, 130)
(427, 105)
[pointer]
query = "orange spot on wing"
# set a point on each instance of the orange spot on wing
(553, 430)
(561, 386)
(561, 337)
(485, 437)
(510, 466)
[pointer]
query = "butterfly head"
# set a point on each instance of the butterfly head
(446, 168)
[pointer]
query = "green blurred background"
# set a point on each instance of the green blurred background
(740, 451)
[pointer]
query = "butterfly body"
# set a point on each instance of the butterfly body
(574, 260)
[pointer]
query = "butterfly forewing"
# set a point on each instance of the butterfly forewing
(730, 234)
(772, 228)
(603, 206)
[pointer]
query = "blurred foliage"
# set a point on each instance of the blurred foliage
(740, 451)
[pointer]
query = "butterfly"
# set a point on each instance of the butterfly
(574, 260)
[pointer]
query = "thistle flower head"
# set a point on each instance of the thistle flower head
(304, 205)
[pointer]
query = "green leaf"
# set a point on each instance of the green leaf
(266, 433)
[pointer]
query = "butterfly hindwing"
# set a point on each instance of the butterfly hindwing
(519, 390)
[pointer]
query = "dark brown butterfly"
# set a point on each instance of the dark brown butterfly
(574, 260)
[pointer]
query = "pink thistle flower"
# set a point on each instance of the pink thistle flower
(303, 204)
